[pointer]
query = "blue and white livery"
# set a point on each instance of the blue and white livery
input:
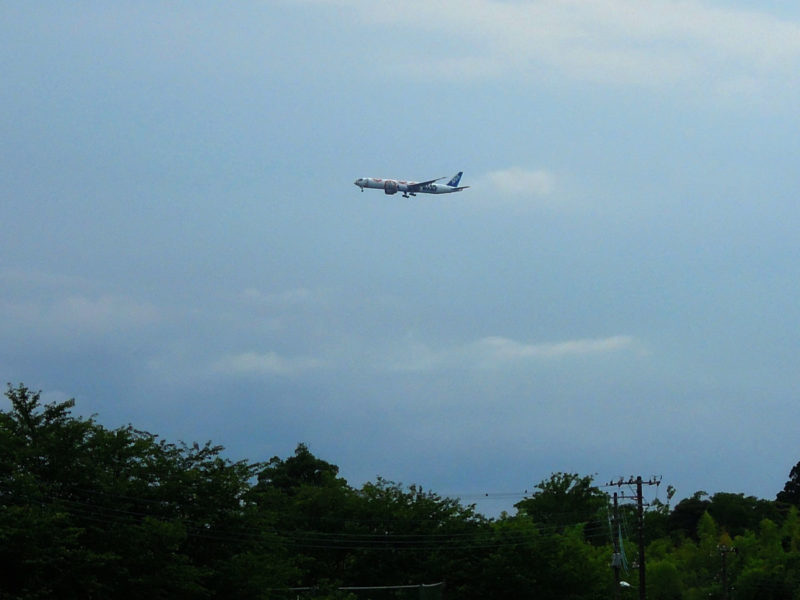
(412, 188)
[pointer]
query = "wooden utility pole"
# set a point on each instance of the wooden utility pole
(616, 561)
(640, 511)
(639, 482)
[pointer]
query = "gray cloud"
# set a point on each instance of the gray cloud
(655, 45)
(182, 247)
(495, 352)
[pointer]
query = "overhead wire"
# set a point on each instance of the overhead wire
(96, 512)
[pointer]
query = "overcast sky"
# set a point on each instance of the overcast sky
(182, 246)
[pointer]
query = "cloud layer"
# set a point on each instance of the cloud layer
(266, 363)
(727, 52)
(496, 352)
(183, 249)
(519, 182)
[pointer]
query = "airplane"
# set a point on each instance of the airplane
(411, 188)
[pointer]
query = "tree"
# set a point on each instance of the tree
(313, 509)
(663, 580)
(762, 582)
(90, 512)
(302, 469)
(422, 535)
(791, 491)
(686, 514)
(514, 562)
(736, 513)
(567, 499)
(42, 547)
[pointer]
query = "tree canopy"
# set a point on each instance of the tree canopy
(91, 512)
(790, 494)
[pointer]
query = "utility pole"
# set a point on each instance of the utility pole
(617, 559)
(640, 513)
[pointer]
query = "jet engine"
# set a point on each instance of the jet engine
(390, 187)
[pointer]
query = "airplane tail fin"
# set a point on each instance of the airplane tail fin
(456, 178)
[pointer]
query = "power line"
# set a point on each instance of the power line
(484, 536)
(639, 482)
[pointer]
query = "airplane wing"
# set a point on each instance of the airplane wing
(413, 187)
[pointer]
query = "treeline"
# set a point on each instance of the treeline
(88, 512)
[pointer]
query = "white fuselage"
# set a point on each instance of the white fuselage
(392, 186)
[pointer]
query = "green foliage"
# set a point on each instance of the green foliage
(791, 491)
(663, 580)
(297, 472)
(511, 564)
(760, 582)
(88, 512)
(737, 513)
(790, 531)
(96, 513)
(683, 519)
(564, 500)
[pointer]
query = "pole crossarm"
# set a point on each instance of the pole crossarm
(639, 483)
